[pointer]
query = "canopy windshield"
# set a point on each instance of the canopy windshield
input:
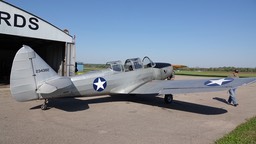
(133, 64)
(115, 66)
(147, 62)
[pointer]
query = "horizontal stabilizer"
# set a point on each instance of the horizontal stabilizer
(54, 84)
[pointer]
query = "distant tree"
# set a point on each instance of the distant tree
(224, 69)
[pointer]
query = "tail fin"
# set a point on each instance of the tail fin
(28, 71)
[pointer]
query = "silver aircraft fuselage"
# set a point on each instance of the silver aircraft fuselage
(114, 82)
(118, 82)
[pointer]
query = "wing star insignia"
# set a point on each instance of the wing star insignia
(99, 84)
(218, 82)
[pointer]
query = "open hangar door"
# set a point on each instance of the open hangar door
(19, 27)
(52, 52)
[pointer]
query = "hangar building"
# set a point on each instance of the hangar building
(19, 27)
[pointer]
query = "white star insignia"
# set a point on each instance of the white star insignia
(99, 84)
(218, 82)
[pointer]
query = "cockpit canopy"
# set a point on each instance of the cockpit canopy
(131, 64)
(115, 66)
(147, 62)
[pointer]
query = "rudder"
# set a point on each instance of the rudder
(28, 71)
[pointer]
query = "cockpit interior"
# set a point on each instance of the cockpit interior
(130, 64)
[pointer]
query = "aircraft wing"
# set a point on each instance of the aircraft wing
(191, 86)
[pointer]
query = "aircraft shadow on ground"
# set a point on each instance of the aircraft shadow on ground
(73, 104)
(177, 105)
(66, 104)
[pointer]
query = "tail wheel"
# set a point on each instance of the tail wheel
(44, 105)
(168, 99)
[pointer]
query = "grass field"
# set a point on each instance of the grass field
(88, 69)
(243, 134)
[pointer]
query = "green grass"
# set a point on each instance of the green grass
(213, 73)
(243, 134)
(91, 69)
(88, 69)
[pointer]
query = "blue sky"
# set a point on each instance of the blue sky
(196, 33)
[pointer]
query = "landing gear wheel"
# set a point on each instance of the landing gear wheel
(44, 105)
(168, 99)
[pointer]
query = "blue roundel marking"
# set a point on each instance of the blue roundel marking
(218, 82)
(99, 84)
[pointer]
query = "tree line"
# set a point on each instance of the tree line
(224, 69)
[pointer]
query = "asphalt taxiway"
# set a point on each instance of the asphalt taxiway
(197, 118)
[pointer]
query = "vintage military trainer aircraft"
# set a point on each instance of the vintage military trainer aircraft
(32, 79)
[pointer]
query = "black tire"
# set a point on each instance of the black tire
(168, 99)
(43, 107)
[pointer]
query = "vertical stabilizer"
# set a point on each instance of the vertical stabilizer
(28, 71)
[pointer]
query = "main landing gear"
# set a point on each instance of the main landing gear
(44, 105)
(168, 99)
